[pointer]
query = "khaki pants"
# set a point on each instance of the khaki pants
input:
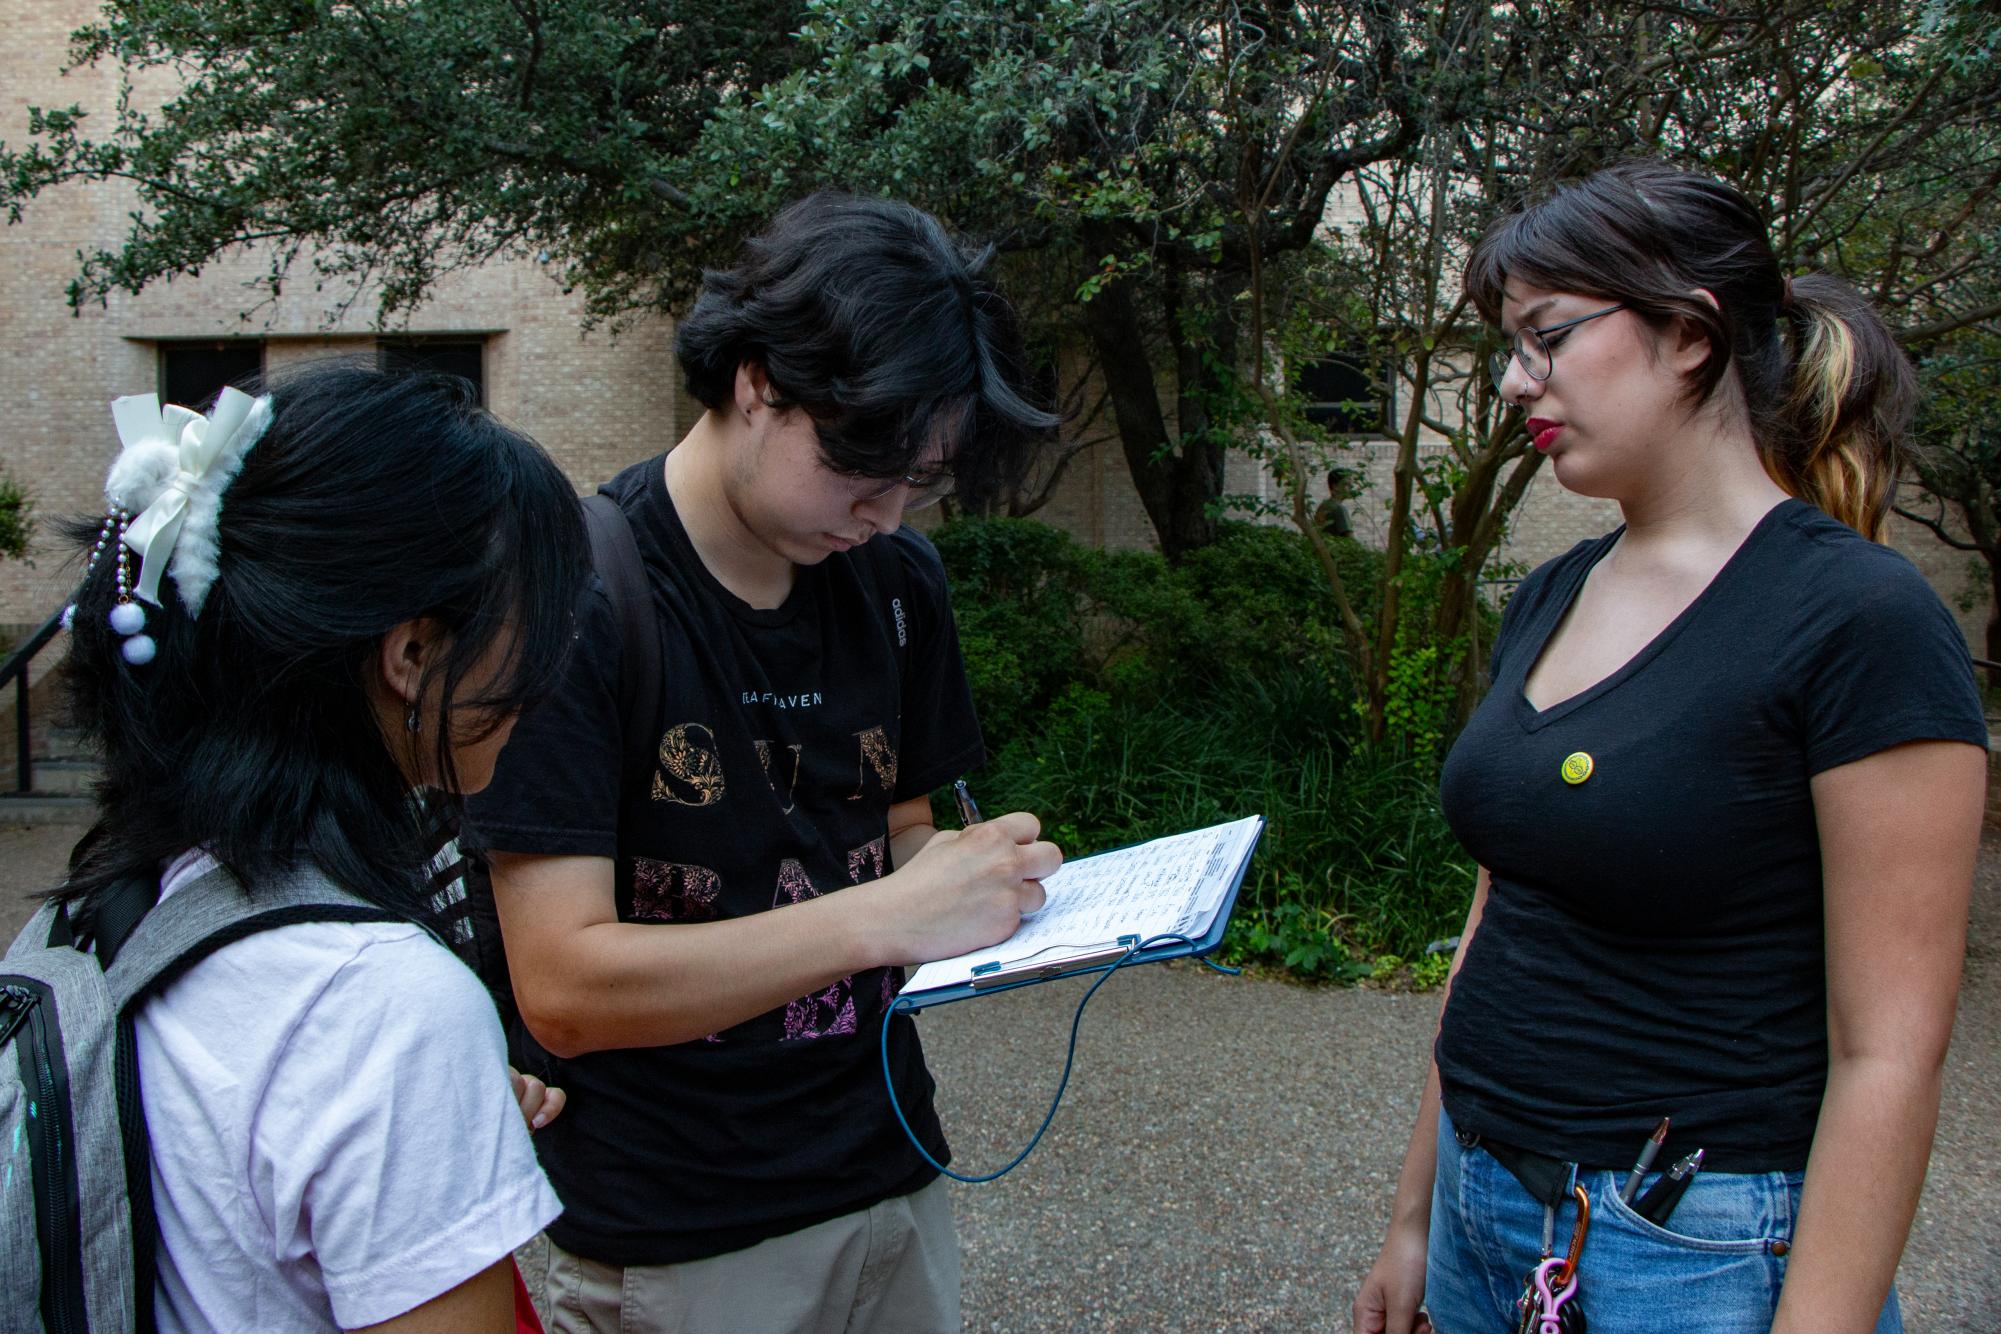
(889, 1269)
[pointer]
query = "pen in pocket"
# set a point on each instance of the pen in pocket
(1665, 1194)
(1646, 1160)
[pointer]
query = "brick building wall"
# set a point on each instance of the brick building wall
(596, 402)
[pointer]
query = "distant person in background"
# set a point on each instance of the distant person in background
(1725, 794)
(1332, 514)
(300, 610)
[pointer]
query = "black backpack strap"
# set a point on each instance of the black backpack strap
(892, 581)
(615, 555)
(115, 914)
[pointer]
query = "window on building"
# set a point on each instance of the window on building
(463, 357)
(1342, 394)
(193, 372)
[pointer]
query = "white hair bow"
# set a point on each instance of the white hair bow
(172, 472)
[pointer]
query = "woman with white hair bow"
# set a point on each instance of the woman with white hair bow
(301, 608)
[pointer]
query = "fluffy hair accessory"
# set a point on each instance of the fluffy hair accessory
(171, 474)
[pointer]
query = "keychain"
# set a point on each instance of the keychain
(1549, 1304)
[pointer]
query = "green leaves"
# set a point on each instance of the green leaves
(16, 522)
(398, 142)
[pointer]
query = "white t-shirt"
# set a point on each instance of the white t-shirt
(334, 1140)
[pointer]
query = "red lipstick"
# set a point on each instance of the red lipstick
(1543, 432)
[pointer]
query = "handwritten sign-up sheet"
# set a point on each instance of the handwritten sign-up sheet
(1172, 885)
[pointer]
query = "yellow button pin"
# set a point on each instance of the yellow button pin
(1577, 767)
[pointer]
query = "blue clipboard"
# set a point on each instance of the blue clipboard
(1028, 974)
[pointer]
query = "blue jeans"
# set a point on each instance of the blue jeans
(1718, 1270)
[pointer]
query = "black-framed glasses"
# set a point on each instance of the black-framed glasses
(1532, 348)
(926, 488)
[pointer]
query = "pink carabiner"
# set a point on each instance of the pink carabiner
(1550, 1304)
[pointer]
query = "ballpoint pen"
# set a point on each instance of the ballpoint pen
(1646, 1160)
(969, 812)
(1665, 1194)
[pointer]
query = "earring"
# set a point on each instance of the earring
(410, 720)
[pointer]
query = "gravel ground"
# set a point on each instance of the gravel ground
(1226, 1153)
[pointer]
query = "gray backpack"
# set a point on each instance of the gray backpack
(77, 1234)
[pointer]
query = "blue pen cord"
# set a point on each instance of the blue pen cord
(1069, 1057)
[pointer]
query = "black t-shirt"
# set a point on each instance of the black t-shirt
(1652, 943)
(787, 735)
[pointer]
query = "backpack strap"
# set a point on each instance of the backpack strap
(113, 917)
(143, 944)
(615, 555)
(215, 910)
(892, 582)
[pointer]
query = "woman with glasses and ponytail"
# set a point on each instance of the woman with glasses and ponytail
(299, 611)
(1725, 794)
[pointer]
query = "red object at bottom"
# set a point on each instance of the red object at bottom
(525, 1319)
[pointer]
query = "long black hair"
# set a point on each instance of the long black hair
(886, 331)
(369, 501)
(1829, 393)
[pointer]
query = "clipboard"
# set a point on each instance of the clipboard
(1013, 974)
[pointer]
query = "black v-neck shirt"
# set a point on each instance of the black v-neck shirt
(787, 734)
(1652, 943)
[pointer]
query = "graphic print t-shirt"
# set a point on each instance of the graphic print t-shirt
(786, 735)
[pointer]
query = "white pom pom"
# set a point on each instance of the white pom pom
(138, 650)
(69, 616)
(129, 618)
(140, 474)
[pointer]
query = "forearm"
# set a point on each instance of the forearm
(586, 981)
(637, 984)
(1420, 1160)
(907, 843)
(1862, 1185)
(1412, 1210)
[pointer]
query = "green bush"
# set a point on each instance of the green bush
(1124, 699)
(16, 527)
(1039, 614)
(1018, 596)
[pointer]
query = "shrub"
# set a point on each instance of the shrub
(16, 527)
(1124, 699)
(1018, 596)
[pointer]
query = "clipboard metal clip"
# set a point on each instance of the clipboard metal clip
(997, 974)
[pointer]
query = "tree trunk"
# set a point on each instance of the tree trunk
(1178, 474)
(1993, 653)
(1205, 375)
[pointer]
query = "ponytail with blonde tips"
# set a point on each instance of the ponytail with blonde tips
(1828, 392)
(1847, 408)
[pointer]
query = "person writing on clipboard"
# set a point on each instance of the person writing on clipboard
(680, 953)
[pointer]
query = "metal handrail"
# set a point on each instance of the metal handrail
(16, 667)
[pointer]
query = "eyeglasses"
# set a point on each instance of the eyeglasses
(926, 488)
(1532, 348)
